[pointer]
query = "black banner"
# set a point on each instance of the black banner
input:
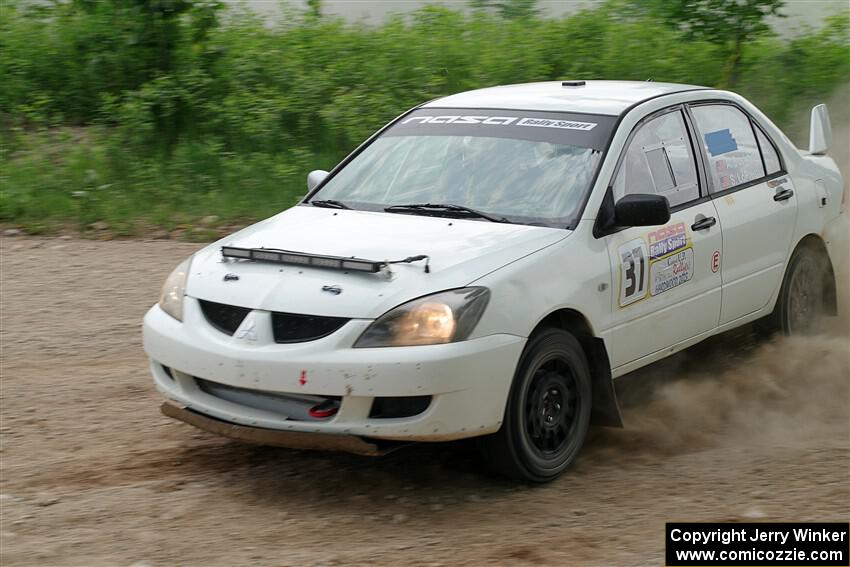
(582, 130)
(815, 544)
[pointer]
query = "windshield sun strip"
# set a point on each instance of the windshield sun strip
(602, 127)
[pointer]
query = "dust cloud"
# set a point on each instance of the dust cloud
(789, 390)
(736, 391)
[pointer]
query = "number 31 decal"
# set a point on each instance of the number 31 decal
(632, 271)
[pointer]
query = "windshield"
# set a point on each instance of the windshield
(528, 167)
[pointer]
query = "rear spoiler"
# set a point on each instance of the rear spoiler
(820, 131)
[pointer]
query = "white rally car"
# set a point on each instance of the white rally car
(487, 263)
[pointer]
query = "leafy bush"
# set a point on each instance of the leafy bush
(159, 112)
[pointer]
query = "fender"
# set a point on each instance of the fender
(606, 409)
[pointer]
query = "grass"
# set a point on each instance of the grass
(64, 179)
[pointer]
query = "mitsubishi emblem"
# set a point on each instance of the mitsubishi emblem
(248, 330)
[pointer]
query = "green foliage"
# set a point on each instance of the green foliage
(729, 24)
(719, 21)
(161, 112)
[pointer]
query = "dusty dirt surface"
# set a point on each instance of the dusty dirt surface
(92, 474)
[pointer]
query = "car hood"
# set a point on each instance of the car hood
(460, 252)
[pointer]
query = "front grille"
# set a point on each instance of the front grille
(225, 318)
(295, 328)
(287, 327)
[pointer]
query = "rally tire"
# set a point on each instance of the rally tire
(802, 297)
(548, 411)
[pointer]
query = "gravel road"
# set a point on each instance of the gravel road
(92, 474)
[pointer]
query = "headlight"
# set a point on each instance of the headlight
(444, 317)
(173, 290)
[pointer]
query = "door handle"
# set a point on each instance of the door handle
(783, 195)
(704, 223)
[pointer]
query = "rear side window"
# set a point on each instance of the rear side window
(729, 141)
(768, 151)
(659, 160)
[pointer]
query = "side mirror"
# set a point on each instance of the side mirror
(642, 210)
(820, 131)
(315, 177)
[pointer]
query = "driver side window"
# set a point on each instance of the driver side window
(659, 160)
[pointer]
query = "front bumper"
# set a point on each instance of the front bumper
(468, 382)
(272, 437)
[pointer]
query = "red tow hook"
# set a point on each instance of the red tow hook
(325, 409)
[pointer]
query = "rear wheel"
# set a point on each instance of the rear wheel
(802, 297)
(548, 411)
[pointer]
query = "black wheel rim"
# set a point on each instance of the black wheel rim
(804, 297)
(551, 408)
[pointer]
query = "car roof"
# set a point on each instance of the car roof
(594, 97)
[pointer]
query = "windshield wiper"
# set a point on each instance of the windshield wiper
(430, 208)
(330, 204)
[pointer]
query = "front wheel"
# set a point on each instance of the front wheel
(548, 410)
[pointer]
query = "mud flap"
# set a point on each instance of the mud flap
(606, 410)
